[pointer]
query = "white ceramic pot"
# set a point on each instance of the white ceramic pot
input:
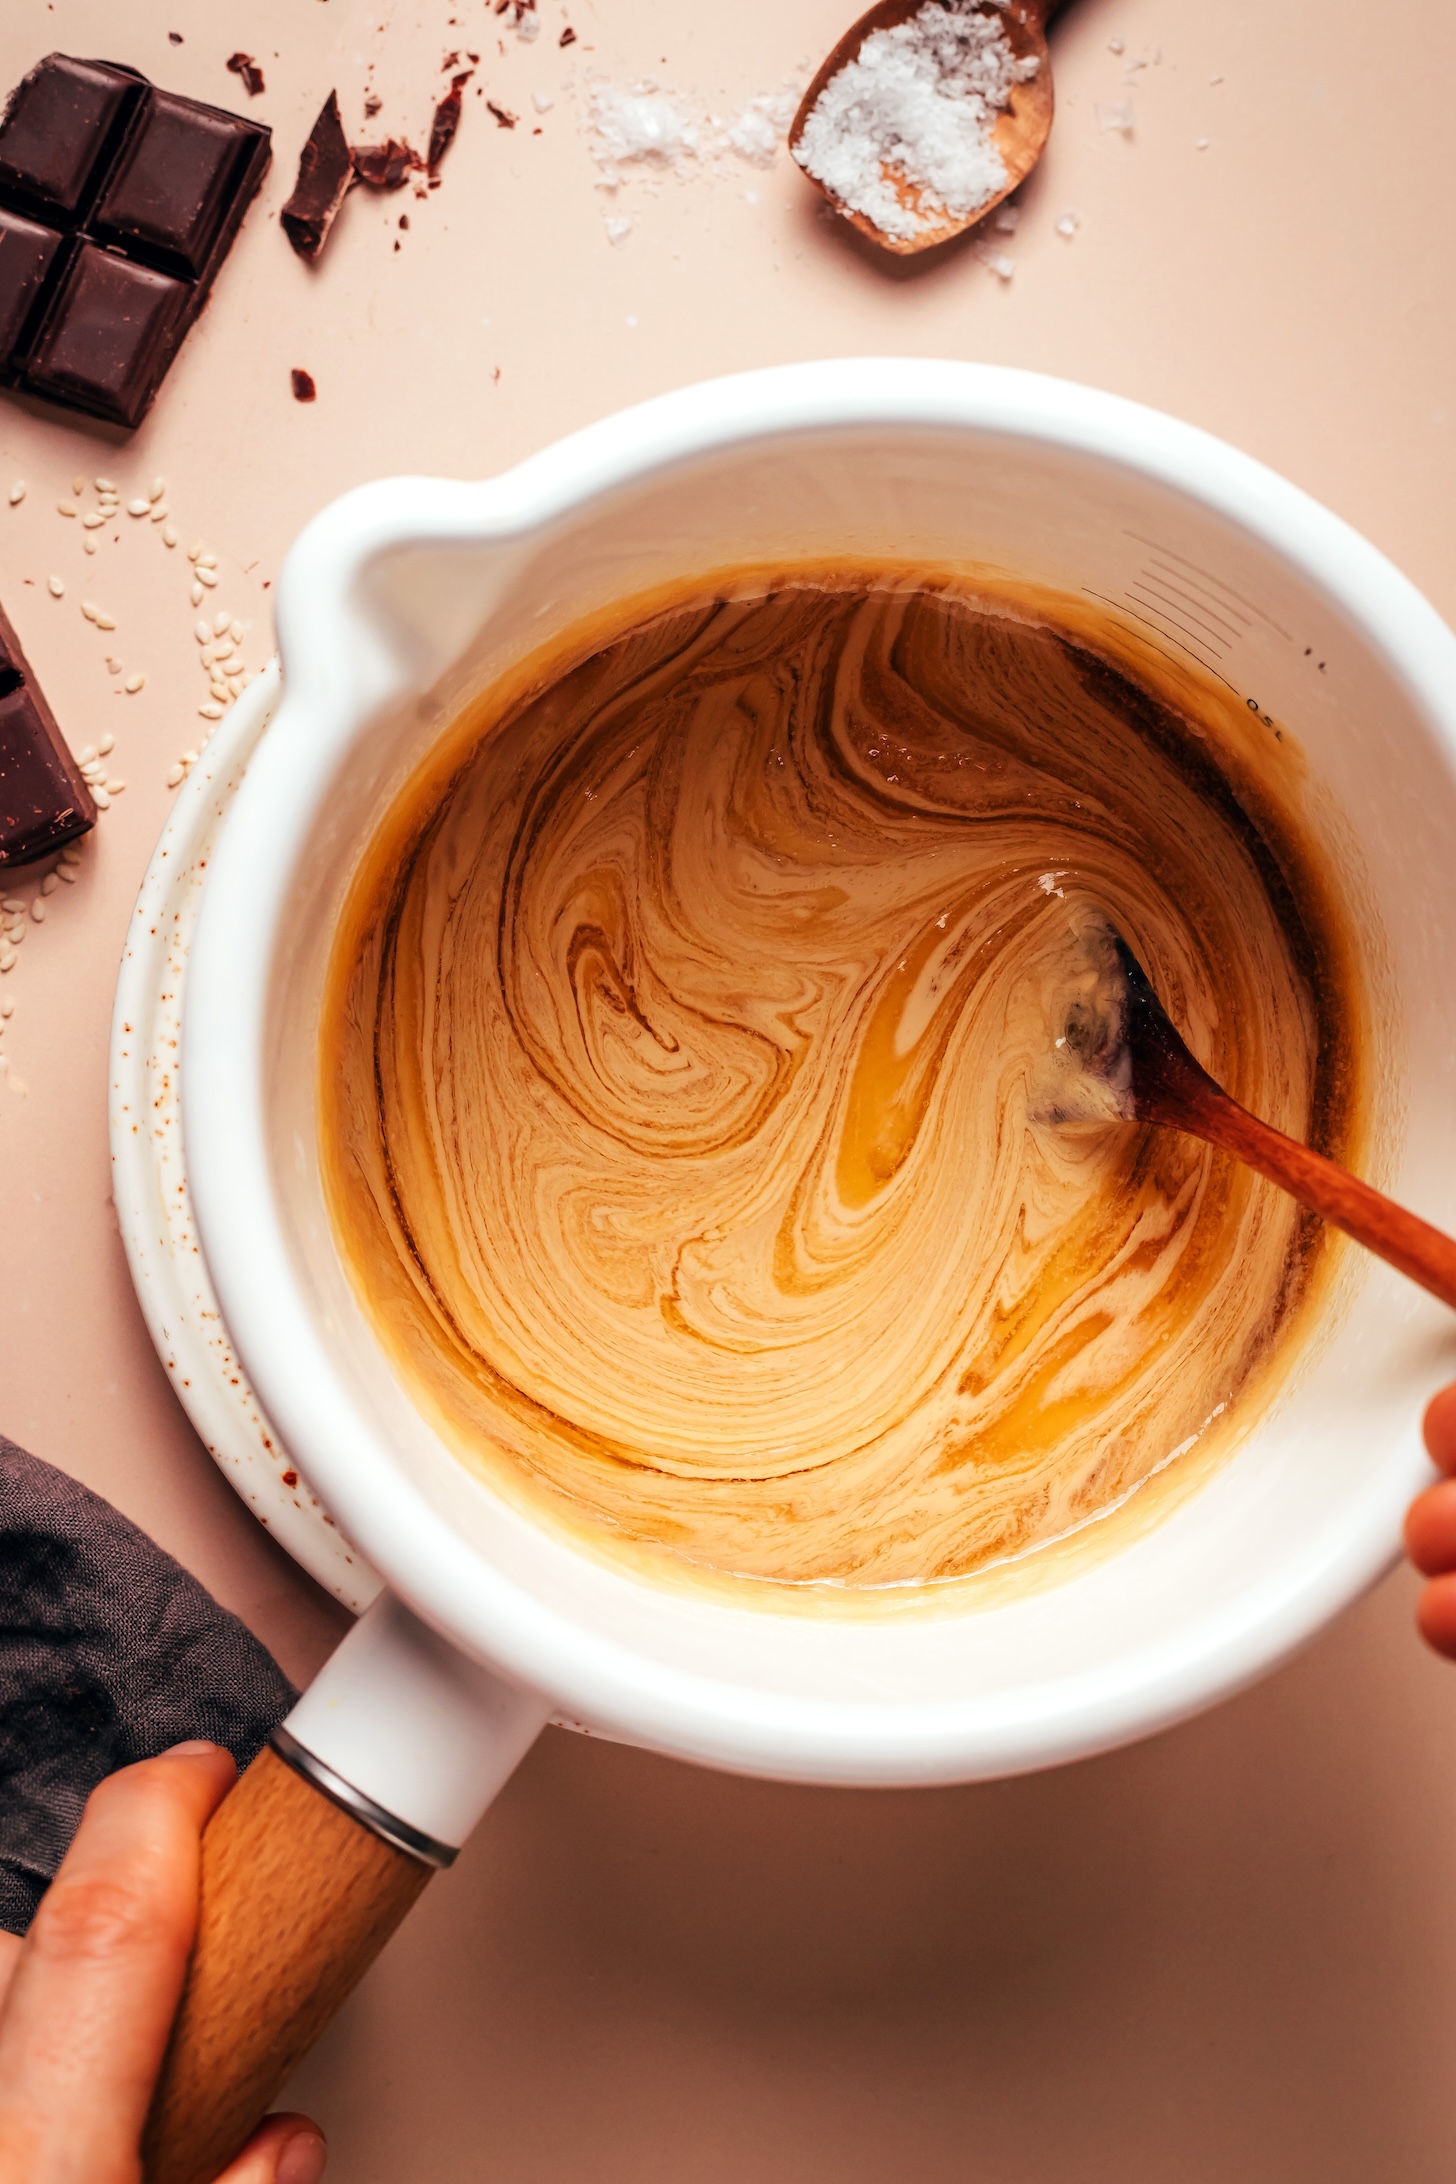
(405, 594)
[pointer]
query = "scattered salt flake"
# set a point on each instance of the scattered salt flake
(640, 127)
(757, 132)
(1201, 145)
(1117, 45)
(618, 228)
(542, 104)
(1007, 219)
(998, 263)
(1067, 224)
(904, 134)
(1120, 117)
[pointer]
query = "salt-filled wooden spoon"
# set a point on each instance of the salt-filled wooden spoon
(1019, 134)
(1118, 1038)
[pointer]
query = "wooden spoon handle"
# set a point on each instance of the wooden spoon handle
(297, 1901)
(1402, 1239)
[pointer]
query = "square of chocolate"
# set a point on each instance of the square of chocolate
(27, 252)
(118, 203)
(170, 190)
(44, 803)
(59, 129)
(109, 335)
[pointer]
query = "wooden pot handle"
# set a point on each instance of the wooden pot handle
(298, 1899)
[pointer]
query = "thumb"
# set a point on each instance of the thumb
(283, 2150)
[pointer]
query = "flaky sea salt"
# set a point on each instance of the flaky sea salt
(904, 134)
(641, 131)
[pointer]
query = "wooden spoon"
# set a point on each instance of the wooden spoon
(1021, 132)
(1128, 1045)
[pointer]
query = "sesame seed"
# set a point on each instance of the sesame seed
(202, 633)
(12, 903)
(38, 911)
(89, 543)
(15, 934)
(206, 576)
(78, 485)
(114, 667)
(93, 522)
(178, 773)
(207, 561)
(90, 609)
(114, 788)
(221, 624)
(169, 536)
(159, 513)
(133, 684)
(210, 712)
(101, 800)
(194, 549)
(7, 959)
(138, 507)
(103, 485)
(189, 758)
(196, 595)
(49, 884)
(17, 492)
(7, 1009)
(67, 873)
(55, 587)
(65, 508)
(70, 854)
(156, 489)
(88, 756)
(220, 691)
(106, 621)
(107, 743)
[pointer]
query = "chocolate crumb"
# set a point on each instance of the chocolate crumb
(404, 219)
(325, 170)
(504, 118)
(174, 37)
(568, 36)
(447, 121)
(243, 64)
(304, 389)
(373, 104)
(385, 166)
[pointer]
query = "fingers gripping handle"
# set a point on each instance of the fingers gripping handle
(306, 1874)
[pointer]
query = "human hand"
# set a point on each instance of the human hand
(1430, 1529)
(87, 1999)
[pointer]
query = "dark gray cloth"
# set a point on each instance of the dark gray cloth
(109, 1652)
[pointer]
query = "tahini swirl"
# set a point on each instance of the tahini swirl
(679, 1091)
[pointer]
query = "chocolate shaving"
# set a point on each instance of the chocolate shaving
(447, 121)
(568, 36)
(304, 389)
(386, 166)
(325, 170)
(505, 119)
(243, 64)
(373, 103)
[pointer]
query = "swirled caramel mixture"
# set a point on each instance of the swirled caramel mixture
(679, 1090)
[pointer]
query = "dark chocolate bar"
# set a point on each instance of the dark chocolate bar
(44, 803)
(118, 203)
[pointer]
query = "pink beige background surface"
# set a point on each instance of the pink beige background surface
(1230, 1952)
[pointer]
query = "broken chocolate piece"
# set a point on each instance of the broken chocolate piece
(504, 118)
(44, 803)
(325, 170)
(447, 121)
(386, 166)
(243, 64)
(304, 389)
(118, 203)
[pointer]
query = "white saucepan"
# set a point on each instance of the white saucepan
(407, 595)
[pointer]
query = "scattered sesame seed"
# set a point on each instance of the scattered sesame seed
(89, 543)
(17, 492)
(12, 903)
(156, 489)
(67, 873)
(78, 485)
(93, 521)
(90, 609)
(70, 854)
(220, 691)
(7, 959)
(178, 773)
(100, 799)
(65, 508)
(159, 513)
(88, 756)
(210, 712)
(207, 561)
(49, 884)
(189, 758)
(221, 624)
(169, 536)
(103, 485)
(206, 576)
(106, 621)
(55, 587)
(38, 911)
(138, 507)
(202, 633)
(7, 1008)
(114, 788)
(107, 743)
(194, 549)
(133, 684)
(15, 935)
(114, 667)
(196, 595)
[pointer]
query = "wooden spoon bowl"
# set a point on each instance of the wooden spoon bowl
(1020, 132)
